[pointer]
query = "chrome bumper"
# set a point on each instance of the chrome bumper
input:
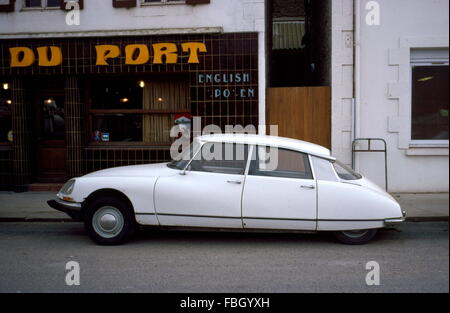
(72, 209)
(395, 221)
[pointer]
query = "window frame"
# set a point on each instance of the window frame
(431, 143)
(42, 7)
(161, 2)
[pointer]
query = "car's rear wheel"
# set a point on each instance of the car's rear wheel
(356, 237)
(109, 221)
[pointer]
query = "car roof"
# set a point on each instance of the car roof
(280, 142)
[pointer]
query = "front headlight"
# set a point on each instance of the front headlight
(68, 187)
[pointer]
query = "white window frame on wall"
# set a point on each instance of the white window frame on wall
(162, 2)
(430, 61)
(400, 90)
(42, 7)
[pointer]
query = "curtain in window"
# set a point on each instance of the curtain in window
(160, 97)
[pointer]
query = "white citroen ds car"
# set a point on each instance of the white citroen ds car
(251, 183)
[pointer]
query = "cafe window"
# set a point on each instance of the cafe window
(136, 111)
(430, 96)
(5, 113)
(42, 3)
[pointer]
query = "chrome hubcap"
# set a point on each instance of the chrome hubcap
(108, 221)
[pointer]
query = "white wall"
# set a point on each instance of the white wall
(231, 15)
(385, 91)
(99, 18)
(342, 78)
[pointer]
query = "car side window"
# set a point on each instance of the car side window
(222, 158)
(274, 162)
(344, 172)
(323, 169)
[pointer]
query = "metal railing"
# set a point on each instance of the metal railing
(369, 149)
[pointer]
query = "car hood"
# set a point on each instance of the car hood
(147, 170)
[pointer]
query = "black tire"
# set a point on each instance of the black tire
(356, 237)
(97, 214)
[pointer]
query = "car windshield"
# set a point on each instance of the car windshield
(183, 158)
(344, 172)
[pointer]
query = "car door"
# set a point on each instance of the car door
(209, 193)
(279, 191)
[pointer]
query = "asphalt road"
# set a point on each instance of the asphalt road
(33, 257)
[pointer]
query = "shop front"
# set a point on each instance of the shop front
(70, 106)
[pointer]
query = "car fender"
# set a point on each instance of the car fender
(139, 190)
(347, 206)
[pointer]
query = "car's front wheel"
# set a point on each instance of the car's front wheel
(356, 237)
(109, 221)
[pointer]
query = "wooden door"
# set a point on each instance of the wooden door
(301, 113)
(50, 134)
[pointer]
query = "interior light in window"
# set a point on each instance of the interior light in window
(8, 101)
(5, 86)
(141, 84)
(426, 79)
(124, 100)
(160, 99)
(49, 101)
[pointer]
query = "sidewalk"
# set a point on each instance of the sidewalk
(424, 207)
(32, 207)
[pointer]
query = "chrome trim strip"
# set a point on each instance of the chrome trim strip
(262, 218)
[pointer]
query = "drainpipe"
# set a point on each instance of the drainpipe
(356, 105)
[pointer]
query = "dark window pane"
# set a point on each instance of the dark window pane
(430, 103)
(288, 164)
(53, 124)
(221, 158)
(5, 98)
(52, 3)
(116, 94)
(33, 3)
(5, 128)
(117, 128)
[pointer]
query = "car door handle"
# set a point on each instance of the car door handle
(308, 186)
(237, 182)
